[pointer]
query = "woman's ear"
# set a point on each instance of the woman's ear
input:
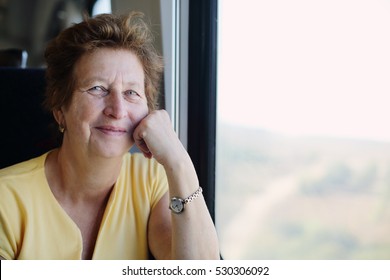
(60, 119)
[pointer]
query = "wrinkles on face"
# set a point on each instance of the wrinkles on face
(108, 103)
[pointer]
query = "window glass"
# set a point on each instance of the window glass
(303, 144)
(102, 7)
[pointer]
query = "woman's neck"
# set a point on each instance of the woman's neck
(79, 177)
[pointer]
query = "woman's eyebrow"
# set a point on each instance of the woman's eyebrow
(131, 83)
(90, 80)
(134, 84)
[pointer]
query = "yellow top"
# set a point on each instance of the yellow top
(34, 226)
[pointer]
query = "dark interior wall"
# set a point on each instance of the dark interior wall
(30, 24)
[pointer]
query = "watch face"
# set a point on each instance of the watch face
(177, 205)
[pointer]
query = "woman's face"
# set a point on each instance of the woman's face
(107, 104)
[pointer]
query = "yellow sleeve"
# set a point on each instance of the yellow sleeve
(8, 243)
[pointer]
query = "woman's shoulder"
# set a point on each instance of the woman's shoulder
(23, 170)
(21, 188)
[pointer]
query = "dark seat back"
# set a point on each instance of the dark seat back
(13, 58)
(25, 126)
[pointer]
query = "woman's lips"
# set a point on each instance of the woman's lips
(112, 130)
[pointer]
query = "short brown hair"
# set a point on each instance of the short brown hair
(129, 32)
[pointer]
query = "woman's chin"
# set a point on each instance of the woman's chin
(113, 152)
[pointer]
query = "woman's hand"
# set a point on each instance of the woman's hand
(190, 235)
(155, 137)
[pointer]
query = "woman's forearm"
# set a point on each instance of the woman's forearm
(193, 232)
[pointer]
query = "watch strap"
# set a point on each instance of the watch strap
(193, 196)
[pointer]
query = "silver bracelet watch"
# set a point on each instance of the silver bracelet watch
(177, 204)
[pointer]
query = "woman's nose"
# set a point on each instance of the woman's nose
(115, 106)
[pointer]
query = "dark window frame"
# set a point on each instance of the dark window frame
(202, 87)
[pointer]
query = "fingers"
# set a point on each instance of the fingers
(144, 149)
(155, 137)
(139, 141)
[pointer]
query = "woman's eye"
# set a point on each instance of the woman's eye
(131, 94)
(98, 91)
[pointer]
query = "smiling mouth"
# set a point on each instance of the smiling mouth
(111, 130)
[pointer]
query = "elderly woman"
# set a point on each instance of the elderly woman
(91, 198)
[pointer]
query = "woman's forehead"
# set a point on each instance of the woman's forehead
(109, 65)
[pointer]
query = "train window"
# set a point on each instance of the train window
(303, 147)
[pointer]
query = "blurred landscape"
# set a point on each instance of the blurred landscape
(282, 197)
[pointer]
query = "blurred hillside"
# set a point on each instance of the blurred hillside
(282, 197)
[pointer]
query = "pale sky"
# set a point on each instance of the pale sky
(306, 66)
